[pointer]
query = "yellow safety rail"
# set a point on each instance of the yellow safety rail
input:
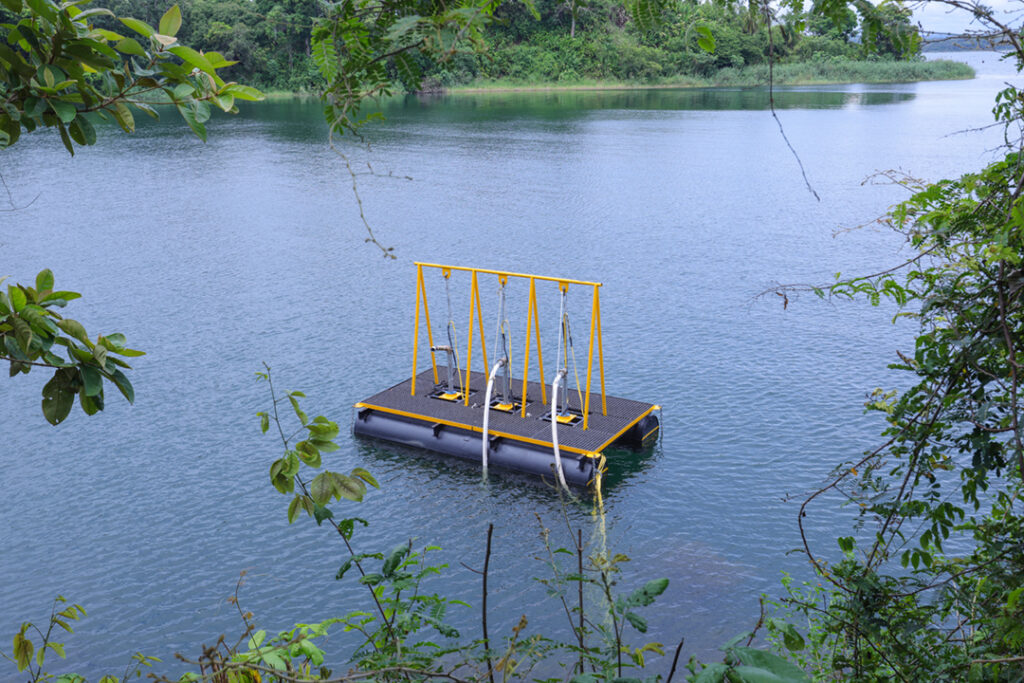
(532, 326)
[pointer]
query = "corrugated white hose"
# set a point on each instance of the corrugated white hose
(486, 442)
(560, 376)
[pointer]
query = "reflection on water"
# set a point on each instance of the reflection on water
(577, 102)
(572, 104)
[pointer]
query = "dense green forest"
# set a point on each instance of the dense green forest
(567, 41)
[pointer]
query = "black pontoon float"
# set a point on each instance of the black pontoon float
(537, 429)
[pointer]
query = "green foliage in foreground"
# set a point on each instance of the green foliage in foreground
(33, 334)
(929, 584)
(57, 70)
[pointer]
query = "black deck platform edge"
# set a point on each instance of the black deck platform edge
(533, 431)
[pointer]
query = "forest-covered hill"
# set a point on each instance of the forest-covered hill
(571, 41)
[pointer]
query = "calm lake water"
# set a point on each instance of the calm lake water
(216, 257)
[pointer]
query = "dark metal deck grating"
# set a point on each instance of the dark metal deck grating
(601, 432)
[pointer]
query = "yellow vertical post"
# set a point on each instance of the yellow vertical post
(526, 351)
(430, 331)
(469, 343)
(590, 359)
(416, 327)
(480, 326)
(540, 352)
(600, 351)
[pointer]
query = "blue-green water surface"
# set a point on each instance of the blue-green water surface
(216, 257)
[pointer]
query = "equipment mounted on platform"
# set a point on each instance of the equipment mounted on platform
(515, 431)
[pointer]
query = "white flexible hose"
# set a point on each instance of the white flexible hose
(485, 441)
(554, 426)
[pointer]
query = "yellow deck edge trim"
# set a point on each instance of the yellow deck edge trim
(625, 429)
(472, 428)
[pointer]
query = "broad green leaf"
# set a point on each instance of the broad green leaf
(762, 664)
(123, 384)
(170, 22)
(256, 639)
(23, 650)
(308, 453)
(395, 558)
(92, 380)
(371, 579)
(325, 446)
(183, 91)
(189, 115)
(241, 92)
(644, 596)
(130, 46)
(57, 398)
(275, 661)
(365, 476)
(100, 354)
(320, 513)
(82, 132)
(293, 509)
(138, 26)
(347, 487)
(282, 481)
(65, 111)
(706, 41)
(298, 411)
(108, 34)
(75, 329)
(712, 673)
(192, 57)
(123, 115)
(320, 490)
(23, 334)
(44, 281)
(638, 622)
(64, 137)
(65, 296)
(16, 297)
(226, 103)
(322, 431)
(90, 404)
(112, 342)
(218, 60)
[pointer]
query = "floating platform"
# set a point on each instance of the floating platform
(519, 444)
(450, 418)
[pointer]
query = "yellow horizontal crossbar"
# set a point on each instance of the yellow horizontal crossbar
(505, 273)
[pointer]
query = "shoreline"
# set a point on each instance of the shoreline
(482, 90)
(800, 74)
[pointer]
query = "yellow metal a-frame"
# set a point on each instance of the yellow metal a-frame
(532, 327)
